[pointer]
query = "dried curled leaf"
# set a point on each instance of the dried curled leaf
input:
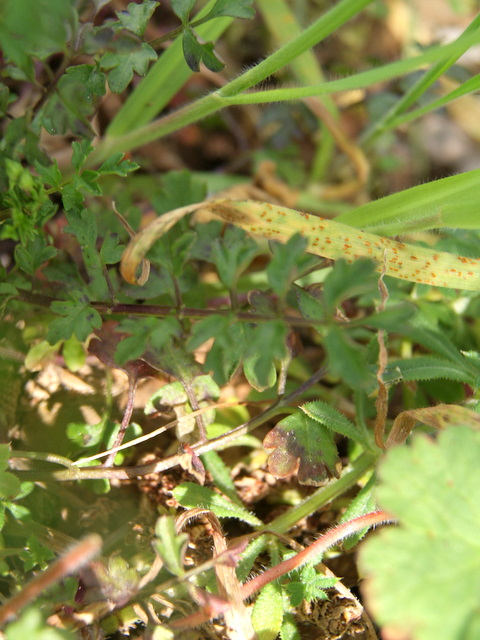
(439, 417)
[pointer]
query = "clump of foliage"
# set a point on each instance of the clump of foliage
(208, 283)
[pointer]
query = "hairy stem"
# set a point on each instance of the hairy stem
(127, 416)
(323, 495)
(71, 561)
(309, 554)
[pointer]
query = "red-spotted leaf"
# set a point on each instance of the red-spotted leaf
(303, 447)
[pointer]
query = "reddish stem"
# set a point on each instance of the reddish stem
(127, 416)
(310, 553)
(70, 562)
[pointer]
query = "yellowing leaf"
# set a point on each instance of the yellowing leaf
(326, 238)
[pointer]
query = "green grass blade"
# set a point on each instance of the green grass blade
(358, 81)
(283, 25)
(473, 84)
(390, 119)
(449, 202)
(228, 94)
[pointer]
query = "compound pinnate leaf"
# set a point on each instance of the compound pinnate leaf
(179, 188)
(117, 165)
(196, 52)
(310, 302)
(81, 151)
(301, 446)
(309, 586)
(348, 280)
(124, 63)
(111, 251)
(232, 253)
(83, 225)
(266, 344)
(34, 254)
(49, 174)
(286, 264)
(182, 8)
(346, 359)
(227, 350)
(422, 575)
(106, 348)
(136, 17)
(71, 106)
(76, 317)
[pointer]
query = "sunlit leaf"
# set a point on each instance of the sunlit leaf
(301, 446)
(437, 536)
(170, 545)
(267, 614)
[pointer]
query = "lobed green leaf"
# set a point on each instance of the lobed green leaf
(232, 8)
(182, 8)
(136, 16)
(196, 52)
(438, 598)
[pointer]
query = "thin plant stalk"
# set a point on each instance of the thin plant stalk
(229, 96)
(70, 562)
(393, 117)
(362, 465)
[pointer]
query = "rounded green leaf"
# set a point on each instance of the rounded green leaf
(423, 575)
(9, 485)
